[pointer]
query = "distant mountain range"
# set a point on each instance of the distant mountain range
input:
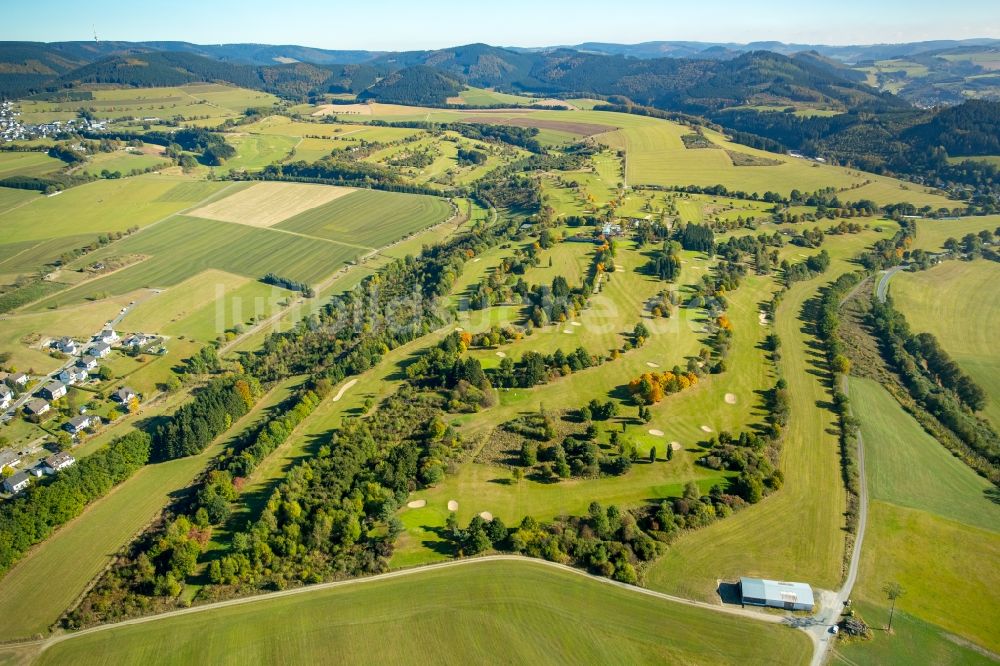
(695, 77)
(723, 50)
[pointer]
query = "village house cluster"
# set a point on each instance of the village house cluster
(34, 397)
(12, 129)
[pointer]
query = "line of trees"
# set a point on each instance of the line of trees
(288, 283)
(978, 441)
(212, 411)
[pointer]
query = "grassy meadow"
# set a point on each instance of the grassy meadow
(958, 301)
(28, 164)
(489, 612)
(369, 218)
(933, 527)
(188, 102)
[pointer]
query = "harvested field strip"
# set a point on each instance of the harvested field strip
(266, 204)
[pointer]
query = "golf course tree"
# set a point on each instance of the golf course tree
(893, 591)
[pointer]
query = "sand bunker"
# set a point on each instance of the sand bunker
(417, 504)
(730, 399)
(619, 269)
(459, 329)
(567, 330)
(676, 446)
(452, 505)
(501, 355)
(652, 365)
(705, 428)
(477, 260)
(344, 389)
(656, 433)
(575, 323)
(486, 515)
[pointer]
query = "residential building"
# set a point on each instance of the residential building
(108, 336)
(16, 483)
(59, 461)
(72, 375)
(78, 424)
(123, 395)
(9, 458)
(137, 340)
(53, 390)
(67, 346)
(87, 362)
(6, 397)
(100, 349)
(37, 407)
(17, 379)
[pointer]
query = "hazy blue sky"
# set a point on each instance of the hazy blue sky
(411, 24)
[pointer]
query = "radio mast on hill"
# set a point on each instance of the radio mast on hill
(95, 35)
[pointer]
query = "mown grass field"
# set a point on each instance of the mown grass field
(11, 198)
(182, 247)
(256, 151)
(67, 561)
(492, 612)
(913, 642)
(765, 540)
(28, 164)
(932, 527)
(959, 303)
(369, 218)
(122, 162)
(931, 234)
(910, 468)
(99, 207)
(486, 97)
(44, 227)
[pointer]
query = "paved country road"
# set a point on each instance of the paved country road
(883, 283)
